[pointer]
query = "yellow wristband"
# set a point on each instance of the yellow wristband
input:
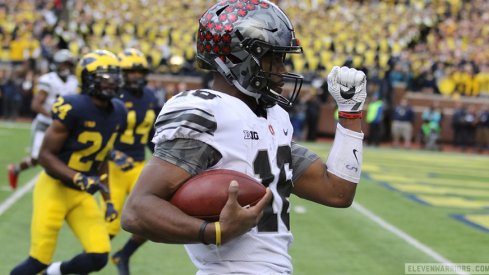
(76, 177)
(218, 233)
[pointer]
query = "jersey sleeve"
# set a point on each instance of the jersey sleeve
(44, 83)
(65, 110)
(302, 158)
(192, 156)
(188, 115)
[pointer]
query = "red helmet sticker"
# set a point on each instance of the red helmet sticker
(216, 38)
(228, 27)
(223, 17)
(226, 38)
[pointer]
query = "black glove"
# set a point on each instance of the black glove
(122, 160)
(110, 213)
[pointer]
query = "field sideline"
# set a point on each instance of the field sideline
(411, 206)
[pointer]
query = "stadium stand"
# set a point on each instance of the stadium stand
(419, 49)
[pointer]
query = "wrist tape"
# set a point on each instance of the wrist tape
(345, 157)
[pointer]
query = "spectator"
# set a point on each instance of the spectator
(428, 83)
(457, 123)
(468, 128)
(313, 108)
(482, 129)
(431, 126)
(398, 77)
(298, 117)
(375, 114)
(26, 94)
(12, 97)
(402, 123)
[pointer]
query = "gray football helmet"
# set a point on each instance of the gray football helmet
(233, 37)
(63, 63)
(62, 56)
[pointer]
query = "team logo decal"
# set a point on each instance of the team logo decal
(272, 131)
(250, 135)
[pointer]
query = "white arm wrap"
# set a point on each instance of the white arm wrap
(345, 157)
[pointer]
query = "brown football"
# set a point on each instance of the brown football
(204, 195)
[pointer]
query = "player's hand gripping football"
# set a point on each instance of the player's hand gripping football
(89, 184)
(110, 212)
(122, 160)
(236, 220)
(348, 87)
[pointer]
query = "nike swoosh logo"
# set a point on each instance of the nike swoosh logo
(347, 94)
(270, 30)
(355, 154)
(286, 132)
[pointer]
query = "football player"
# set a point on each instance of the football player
(129, 149)
(73, 155)
(59, 82)
(245, 43)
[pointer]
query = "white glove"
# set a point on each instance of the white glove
(348, 87)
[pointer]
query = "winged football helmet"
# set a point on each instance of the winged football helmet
(132, 61)
(99, 74)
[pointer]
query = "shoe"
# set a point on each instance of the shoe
(12, 176)
(122, 263)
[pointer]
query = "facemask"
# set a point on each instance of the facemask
(64, 73)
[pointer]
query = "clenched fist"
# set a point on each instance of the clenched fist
(348, 87)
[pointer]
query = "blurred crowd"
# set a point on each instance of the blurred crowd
(469, 125)
(427, 39)
(422, 45)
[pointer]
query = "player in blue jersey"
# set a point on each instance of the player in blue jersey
(142, 107)
(73, 155)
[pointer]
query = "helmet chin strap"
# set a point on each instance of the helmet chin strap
(228, 75)
(274, 93)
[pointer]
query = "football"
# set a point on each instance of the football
(204, 195)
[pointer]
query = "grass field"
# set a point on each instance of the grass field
(411, 206)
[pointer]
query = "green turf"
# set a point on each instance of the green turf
(327, 240)
(15, 142)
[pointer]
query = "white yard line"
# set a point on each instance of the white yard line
(14, 125)
(403, 235)
(17, 195)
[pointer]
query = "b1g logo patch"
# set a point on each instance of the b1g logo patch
(250, 135)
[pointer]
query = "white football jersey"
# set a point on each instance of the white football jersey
(257, 146)
(55, 86)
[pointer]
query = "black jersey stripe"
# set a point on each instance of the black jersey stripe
(174, 114)
(302, 158)
(194, 119)
(204, 113)
(184, 126)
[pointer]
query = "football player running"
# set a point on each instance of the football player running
(245, 43)
(73, 155)
(59, 82)
(129, 148)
